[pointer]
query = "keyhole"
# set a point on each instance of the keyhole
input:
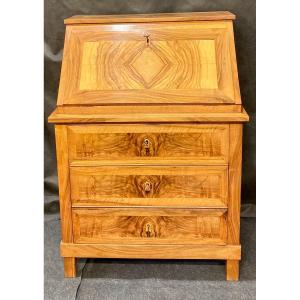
(147, 186)
(147, 146)
(147, 143)
(148, 231)
(147, 38)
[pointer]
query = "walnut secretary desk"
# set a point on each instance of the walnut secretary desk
(148, 129)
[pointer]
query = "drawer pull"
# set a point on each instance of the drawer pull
(147, 186)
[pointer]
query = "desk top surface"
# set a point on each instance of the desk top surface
(145, 18)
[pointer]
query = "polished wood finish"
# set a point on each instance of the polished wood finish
(206, 142)
(149, 226)
(227, 252)
(150, 114)
(232, 269)
(235, 174)
(150, 186)
(151, 161)
(150, 18)
(149, 139)
(63, 182)
(234, 199)
(180, 62)
(70, 267)
(64, 195)
(143, 65)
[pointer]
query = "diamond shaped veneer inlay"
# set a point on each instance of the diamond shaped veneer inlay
(147, 64)
(158, 65)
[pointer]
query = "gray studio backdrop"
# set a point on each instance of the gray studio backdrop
(57, 10)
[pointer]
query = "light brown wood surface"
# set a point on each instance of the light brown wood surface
(149, 113)
(64, 195)
(149, 161)
(159, 17)
(234, 199)
(149, 226)
(183, 62)
(149, 139)
(149, 186)
(143, 65)
(206, 142)
(232, 270)
(70, 267)
(235, 173)
(181, 251)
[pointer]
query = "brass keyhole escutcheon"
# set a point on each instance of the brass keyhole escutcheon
(147, 186)
(147, 146)
(147, 149)
(148, 230)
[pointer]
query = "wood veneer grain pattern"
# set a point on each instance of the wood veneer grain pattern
(206, 142)
(148, 63)
(157, 65)
(149, 226)
(178, 196)
(149, 186)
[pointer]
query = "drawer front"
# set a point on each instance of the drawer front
(181, 62)
(149, 226)
(149, 186)
(202, 142)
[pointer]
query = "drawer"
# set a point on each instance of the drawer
(149, 186)
(152, 142)
(149, 226)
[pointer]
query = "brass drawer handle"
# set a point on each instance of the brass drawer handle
(147, 186)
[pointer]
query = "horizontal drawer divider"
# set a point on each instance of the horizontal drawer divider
(150, 162)
(223, 208)
(157, 209)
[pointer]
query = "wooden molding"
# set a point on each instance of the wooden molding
(150, 114)
(142, 18)
(232, 252)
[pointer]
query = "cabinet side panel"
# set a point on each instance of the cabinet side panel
(64, 182)
(235, 76)
(66, 72)
(235, 167)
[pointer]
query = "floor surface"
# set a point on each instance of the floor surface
(148, 279)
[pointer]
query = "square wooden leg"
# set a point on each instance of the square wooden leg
(70, 266)
(232, 269)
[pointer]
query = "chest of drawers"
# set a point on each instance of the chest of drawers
(148, 129)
